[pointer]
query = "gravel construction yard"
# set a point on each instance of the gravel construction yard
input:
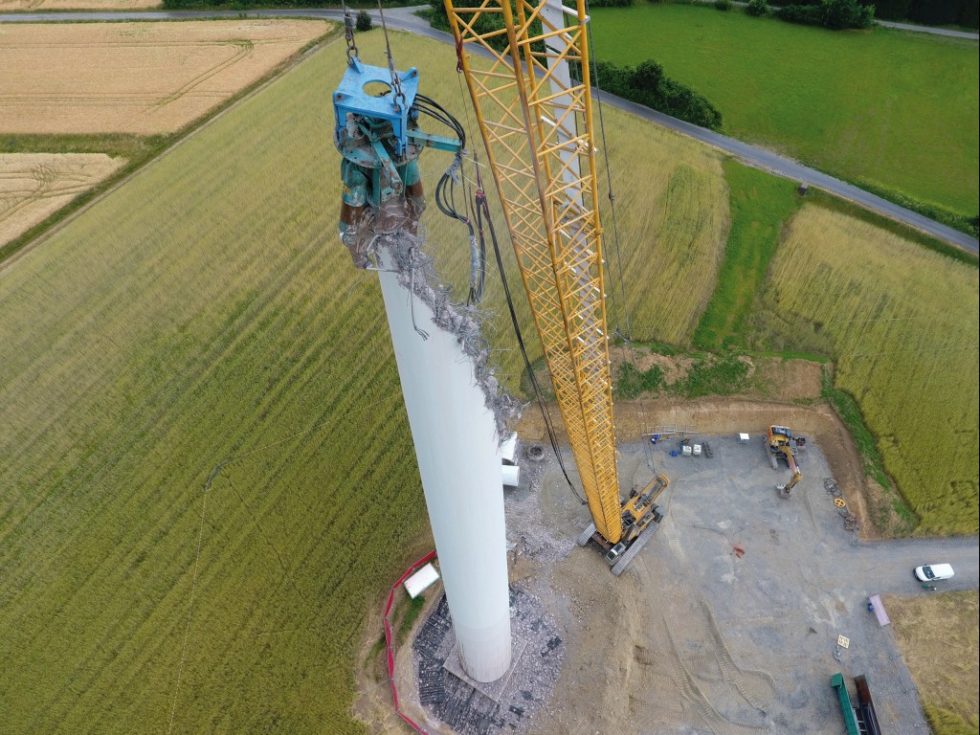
(728, 620)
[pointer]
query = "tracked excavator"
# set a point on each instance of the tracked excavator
(531, 93)
(782, 442)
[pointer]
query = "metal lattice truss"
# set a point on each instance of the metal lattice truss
(536, 123)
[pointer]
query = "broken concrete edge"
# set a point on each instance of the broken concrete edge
(417, 274)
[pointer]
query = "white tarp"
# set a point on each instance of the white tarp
(508, 449)
(421, 580)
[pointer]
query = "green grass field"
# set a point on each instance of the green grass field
(208, 476)
(898, 111)
(760, 203)
(902, 324)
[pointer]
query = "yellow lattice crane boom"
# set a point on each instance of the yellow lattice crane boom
(532, 95)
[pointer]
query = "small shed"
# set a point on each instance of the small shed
(421, 581)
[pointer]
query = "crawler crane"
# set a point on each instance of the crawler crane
(533, 103)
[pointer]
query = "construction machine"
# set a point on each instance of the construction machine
(782, 442)
(531, 91)
(376, 130)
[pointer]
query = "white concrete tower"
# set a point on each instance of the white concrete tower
(459, 460)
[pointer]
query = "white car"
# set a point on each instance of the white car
(933, 572)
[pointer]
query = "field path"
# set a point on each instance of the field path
(887, 565)
(895, 25)
(913, 28)
(752, 155)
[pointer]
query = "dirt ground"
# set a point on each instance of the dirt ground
(33, 185)
(789, 380)
(139, 78)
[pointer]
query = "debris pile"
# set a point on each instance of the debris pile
(506, 705)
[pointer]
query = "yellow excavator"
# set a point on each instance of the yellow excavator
(782, 442)
(532, 92)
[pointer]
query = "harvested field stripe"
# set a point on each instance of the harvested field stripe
(33, 185)
(57, 64)
(242, 49)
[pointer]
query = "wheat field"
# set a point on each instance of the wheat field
(928, 630)
(7, 6)
(33, 185)
(208, 476)
(902, 324)
(143, 78)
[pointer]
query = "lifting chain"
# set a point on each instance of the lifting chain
(349, 35)
(396, 83)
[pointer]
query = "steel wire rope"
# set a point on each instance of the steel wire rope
(467, 181)
(349, 34)
(624, 310)
(396, 83)
(481, 208)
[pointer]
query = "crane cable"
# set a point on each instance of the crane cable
(481, 212)
(624, 309)
(396, 83)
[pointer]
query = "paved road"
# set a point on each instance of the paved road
(752, 155)
(886, 566)
(913, 27)
(929, 29)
